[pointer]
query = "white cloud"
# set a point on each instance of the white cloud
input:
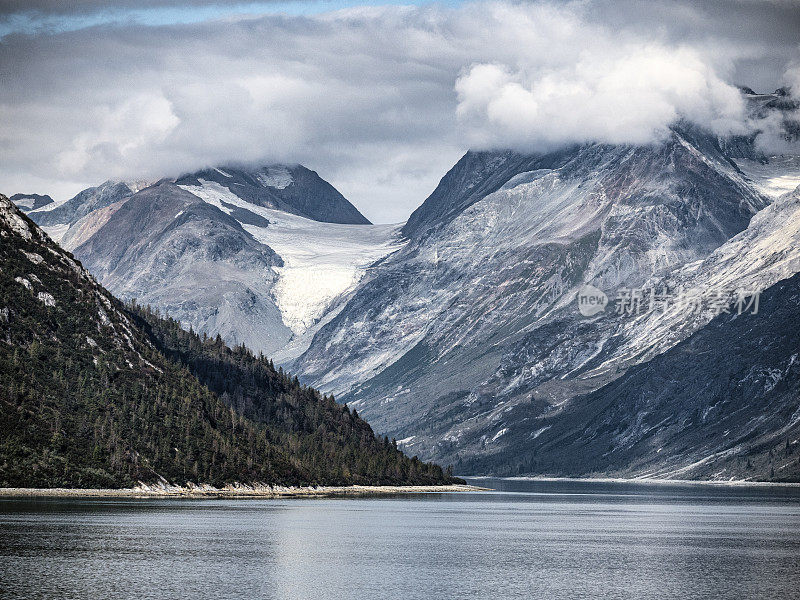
(629, 93)
(791, 78)
(119, 133)
(380, 100)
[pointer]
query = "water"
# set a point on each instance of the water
(527, 540)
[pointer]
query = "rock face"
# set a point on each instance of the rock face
(170, 249)
(464, 340)
(57, 221)
(255, 255)
(724, 403)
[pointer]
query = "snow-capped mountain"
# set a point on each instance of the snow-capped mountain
(474, 322)
(30, 202)
(255, 255)
(293, 189)
(459, 333)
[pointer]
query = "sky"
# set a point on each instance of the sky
(380, 98)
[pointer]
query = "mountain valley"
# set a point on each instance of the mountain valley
(458, 332)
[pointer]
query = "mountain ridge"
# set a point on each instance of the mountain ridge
(90, 399)
(476, 316)
(202, 247)
(289, 188)
(440, 330)
(31, 201)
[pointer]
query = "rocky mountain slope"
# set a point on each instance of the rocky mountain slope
(68, 223)
(96, 394)
(475, 319)
(724, 403)
(255, 255)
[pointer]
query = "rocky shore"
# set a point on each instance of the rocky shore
(165, 490)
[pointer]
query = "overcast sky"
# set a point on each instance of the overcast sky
(381, 99)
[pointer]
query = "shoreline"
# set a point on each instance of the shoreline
(236, 491)
(647, 480)
(239, 491)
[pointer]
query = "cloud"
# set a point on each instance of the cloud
(779, 133)
(791, 78)
(623, 94)
(380, 100)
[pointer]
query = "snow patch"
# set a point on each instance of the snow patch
(775, 178)
(277, 177)
(539, 432)
(56, 232)
(212, 193)
(321, 261)
(499, 434)
(26, 203)
(48, 207)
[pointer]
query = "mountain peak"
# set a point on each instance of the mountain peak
(29, 202)
(290, 188)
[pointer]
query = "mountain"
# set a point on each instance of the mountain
(97, 394)
(724, 403)
(459, 333)
(170, 249)
(293, 189)
(474, 322)
(256, 255)
(65, 221)
(30, 202)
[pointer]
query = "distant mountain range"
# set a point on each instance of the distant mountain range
(255, 255)
(31, 201)
(459, 333)
(98, 394)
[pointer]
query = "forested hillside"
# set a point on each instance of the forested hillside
(89, 399)
(331, 440)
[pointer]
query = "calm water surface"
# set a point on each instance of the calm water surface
(526, 540)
